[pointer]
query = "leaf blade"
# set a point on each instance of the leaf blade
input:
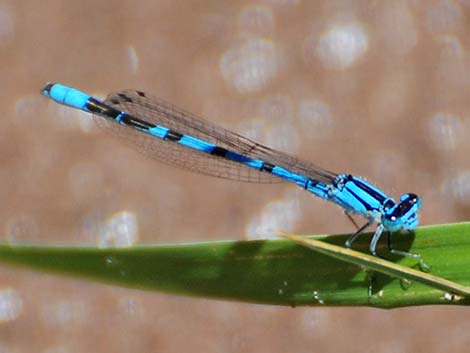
(268, 271)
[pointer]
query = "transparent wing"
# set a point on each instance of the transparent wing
(159, 112)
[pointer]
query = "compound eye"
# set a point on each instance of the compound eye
(409, 201)
(411, 198)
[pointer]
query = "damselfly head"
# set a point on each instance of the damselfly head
(404, 216)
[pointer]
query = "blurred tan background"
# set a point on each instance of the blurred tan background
(375, 88)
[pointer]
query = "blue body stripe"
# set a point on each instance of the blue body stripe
(159, 131)
(288, 175)
(196, 144)
(250, 162)
(353, 198)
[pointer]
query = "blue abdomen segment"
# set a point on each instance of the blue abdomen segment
(66, 95)
(239, 158)
(204, 147)
(318, 188)
(290, 176)
(212, 149)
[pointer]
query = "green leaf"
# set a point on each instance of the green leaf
(375, 263)
(275, 271)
